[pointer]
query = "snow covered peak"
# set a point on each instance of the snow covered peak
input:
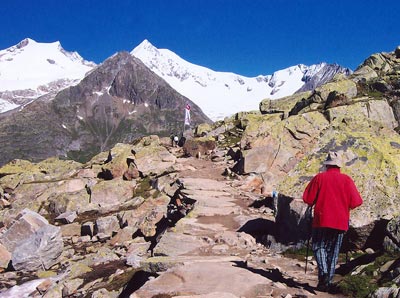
(25, 42)
(145, 45)
(30, 64)
(166, 61)
(221, 94)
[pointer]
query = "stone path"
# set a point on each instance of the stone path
(204, 255)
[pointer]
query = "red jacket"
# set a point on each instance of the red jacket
(335, 194)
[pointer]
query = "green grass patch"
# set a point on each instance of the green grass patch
(368, 280)
(143, 188)
(357, 286)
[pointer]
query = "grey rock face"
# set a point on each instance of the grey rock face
(323, 76)
(26, 224)
(392, 240)
(107, 225)
(39, 251)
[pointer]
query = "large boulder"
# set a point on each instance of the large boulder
(380, 66)
(25, 224)
(371, 155)
(40, 250)
(339, 91)
(59, 203)
(376, 110)
(380, 62)
(151, 158)
(46, 170)
(107, 226)
(32, 185)
(112, 192)
(202, 129)
(146, 217)
(271, 147)
(282, 105)
(199, 147)
(32, 241)
(113, 162)
(151, 213)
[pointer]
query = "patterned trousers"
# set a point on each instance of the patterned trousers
(326, 244)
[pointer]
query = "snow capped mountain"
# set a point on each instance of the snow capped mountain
(37, 68)
(31, 69)
(221, 94)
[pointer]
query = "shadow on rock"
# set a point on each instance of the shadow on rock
(291, 228)
(276, 276)
(261, 229)
(136, 282)
(266, 202)
(362, 260)
(367, 236)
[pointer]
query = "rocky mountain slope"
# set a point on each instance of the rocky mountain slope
(117, 107)
(31, 69)
(222, 94)
(149, 220)
(119, 101)
(283, 147)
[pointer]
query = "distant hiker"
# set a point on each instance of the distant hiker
(176, 139)
(334, 194)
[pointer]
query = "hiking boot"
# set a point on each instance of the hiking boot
(323, 284)
(321, 287)
(333, 289)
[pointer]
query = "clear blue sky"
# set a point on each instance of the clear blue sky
(248, 37)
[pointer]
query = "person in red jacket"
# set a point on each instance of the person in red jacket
(334, 194)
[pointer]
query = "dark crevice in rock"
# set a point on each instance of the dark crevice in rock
(276, 275)
(135, 283)
(362, 260)
(105, 175)
(179, 207)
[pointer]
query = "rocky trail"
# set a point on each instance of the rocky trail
(211, 252)
(200, 232)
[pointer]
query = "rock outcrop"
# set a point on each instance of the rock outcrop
(357, 115)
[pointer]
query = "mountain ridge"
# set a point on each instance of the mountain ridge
(222, 94)
(117, 102)
(219, 94)
(31, 69)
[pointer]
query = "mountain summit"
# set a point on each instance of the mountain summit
(221, 94)
(118, 102)
(31, 69)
